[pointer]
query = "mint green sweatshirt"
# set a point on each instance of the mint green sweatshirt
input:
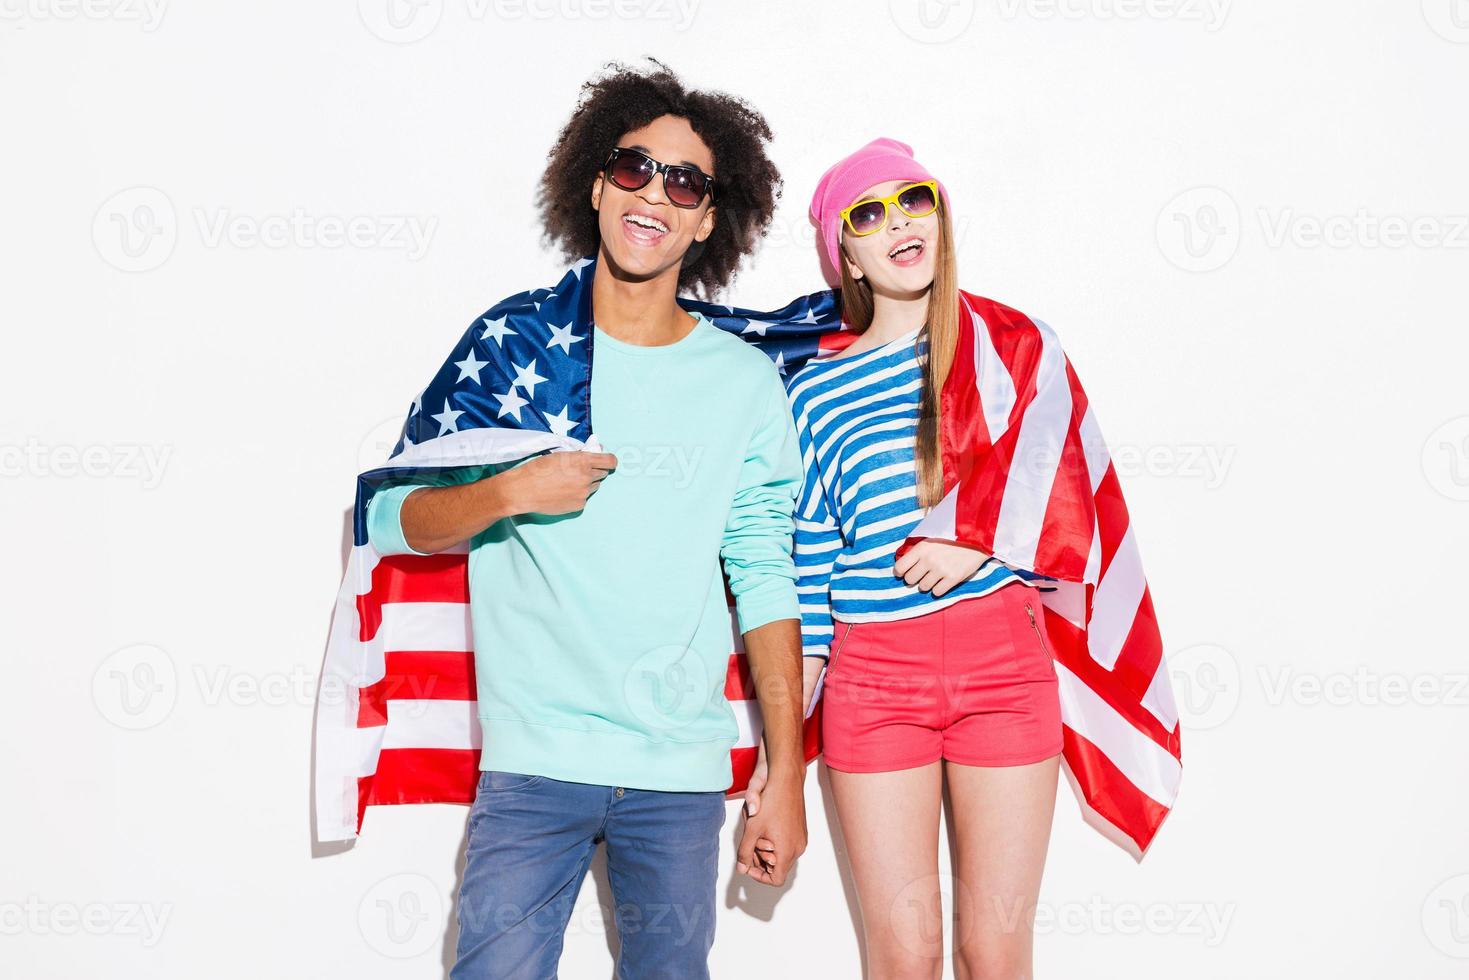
(602, 638)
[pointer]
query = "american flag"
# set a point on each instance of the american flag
(1029, 480)
(396, 718)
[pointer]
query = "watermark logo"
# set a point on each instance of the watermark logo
(36, 917)
(1210, 13)
(407, 21)
(916, 914)
(932, 21)
(667, 687)
(147, 14)
(378, 443)
(98, 461)
(136, 229)
(1199, 230)
(677, 13)
(1362, 229)
(1207, 922)
(1449, 19)
(1446, 917)
(1363, 686)
(407, 233)
(1446, 459)
(136, 687)
(1206, 683)
(400, 21)
(399, 917)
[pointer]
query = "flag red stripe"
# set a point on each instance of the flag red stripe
(1069, 645)
(1111, 793)
(416, 675)
(411, 578)
(739, 685)
(1066, 530)
(1142, 651)
(419, 776)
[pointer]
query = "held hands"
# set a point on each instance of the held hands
(557, 483)
(937, 566)
(775, 824)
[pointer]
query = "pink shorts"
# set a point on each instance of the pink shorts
(973, 683)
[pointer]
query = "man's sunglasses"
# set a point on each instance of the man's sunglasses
(632, 171)
(916, 201)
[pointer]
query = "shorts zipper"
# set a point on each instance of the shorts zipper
(832, 659)
(1036, 626)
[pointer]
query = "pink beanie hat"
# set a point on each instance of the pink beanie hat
(881, 160)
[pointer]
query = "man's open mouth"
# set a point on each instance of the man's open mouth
(643, 229)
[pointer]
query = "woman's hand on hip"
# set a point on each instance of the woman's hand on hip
(937, 566)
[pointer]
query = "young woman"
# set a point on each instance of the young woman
(938, 661)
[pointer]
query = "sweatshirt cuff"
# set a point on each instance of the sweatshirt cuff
(772, 599)
(385, 524)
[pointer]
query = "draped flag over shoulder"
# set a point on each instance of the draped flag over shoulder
(396, 720)
(1029, 480)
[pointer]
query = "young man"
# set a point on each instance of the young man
(600, 621)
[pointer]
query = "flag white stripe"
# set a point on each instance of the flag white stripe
(747, 717)
(1094, 448)
(431, 723)
(1037, 456)
(1146, 764)
(1115, 603)
(427, 626)
(1159, 697)
(996, 387)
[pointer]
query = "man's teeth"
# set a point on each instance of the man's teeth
(646, 222)
(905, 247)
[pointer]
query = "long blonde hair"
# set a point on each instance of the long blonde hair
(942, 330)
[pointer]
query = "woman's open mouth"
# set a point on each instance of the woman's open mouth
(907, 252)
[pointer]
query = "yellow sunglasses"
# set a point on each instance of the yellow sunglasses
(869, 215)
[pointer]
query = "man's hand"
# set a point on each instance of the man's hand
(937, 566)
(775, 835)
(436, 518)
(556, 483)
(810, 672)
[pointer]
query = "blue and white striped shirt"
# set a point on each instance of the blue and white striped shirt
(857, 417)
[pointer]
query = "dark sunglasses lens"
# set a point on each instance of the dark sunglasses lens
(917, 201)
(631, 171)
(685, 187)
(867, 217)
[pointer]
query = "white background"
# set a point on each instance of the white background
(1246, 221)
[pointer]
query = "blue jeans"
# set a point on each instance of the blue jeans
(531, 839)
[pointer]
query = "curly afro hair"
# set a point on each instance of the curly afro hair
(623, 99)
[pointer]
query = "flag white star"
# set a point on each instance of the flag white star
(496, 330)
(810, 316)
(780, 361)
(561, 423)
(469, 367)
(580, 265)
(755, 326)
(510, 403)
(417, 403)
(526, 377)
(562, 337)
(448, 419)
